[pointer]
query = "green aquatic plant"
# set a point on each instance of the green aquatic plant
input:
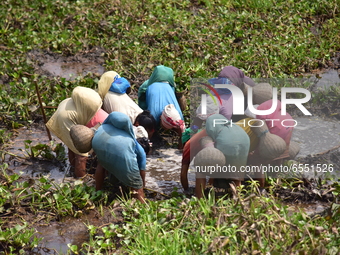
(46, 151)
(18, 239)
(64, 199)
(244, 224)
(196, 39)
(265, 38)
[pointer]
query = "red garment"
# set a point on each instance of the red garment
(192, 147)
(99, 117)
(274, 121)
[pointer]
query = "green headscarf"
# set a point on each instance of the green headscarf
(160, 74)
(227, 135)
(231, 140)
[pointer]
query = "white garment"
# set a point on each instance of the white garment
(121, 103)
(140, 132)
(212, 107)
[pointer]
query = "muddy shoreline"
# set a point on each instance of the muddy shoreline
(312, 195)
(309, 193)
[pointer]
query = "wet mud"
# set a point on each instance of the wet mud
(162, 182)
(318, 137)
(68, 67)
(58, 234)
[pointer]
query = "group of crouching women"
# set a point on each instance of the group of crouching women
(110, 124)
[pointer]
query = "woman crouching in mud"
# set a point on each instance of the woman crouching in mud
(120, 154)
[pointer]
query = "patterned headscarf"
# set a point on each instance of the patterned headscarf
(170, 118)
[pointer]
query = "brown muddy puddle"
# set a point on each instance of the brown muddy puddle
(70, 71)
(70, 231)
(310, 209)
(70, 68)
(57, 235)
(164, 168)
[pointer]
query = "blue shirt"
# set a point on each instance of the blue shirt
(159, 95)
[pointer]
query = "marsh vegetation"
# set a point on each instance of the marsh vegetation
(57, 45)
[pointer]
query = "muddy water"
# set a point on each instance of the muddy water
(57, 65)
(310, 209)
(328, 79)
(164, 168)
(33, 168)
(317, 136)
(70, 71)
(57, 235)
(314, 134)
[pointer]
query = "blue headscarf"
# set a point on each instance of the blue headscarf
(220, 80)
(119, 85)
(118, 151)
(121, 121)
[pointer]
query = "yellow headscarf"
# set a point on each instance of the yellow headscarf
(79, 109)
(105, 82)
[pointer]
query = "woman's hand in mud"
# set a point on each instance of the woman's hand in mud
(138, 194)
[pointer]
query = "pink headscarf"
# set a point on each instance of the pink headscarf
(274, 120)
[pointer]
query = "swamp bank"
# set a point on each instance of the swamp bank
(57, 45)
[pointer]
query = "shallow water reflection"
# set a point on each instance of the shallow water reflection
(163, 171)
(163, 175)
(309, 208)
(56, 236)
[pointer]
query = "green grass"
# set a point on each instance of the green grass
(248, 224)
(245, 224)
(39, 196)
(264, 38)
(196, 38)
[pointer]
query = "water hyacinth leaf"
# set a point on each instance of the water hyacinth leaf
(43, 180)
(58, 197)
(27, 143)
(275, 39)
(14, 177)
(73, 248)
(46, 186)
